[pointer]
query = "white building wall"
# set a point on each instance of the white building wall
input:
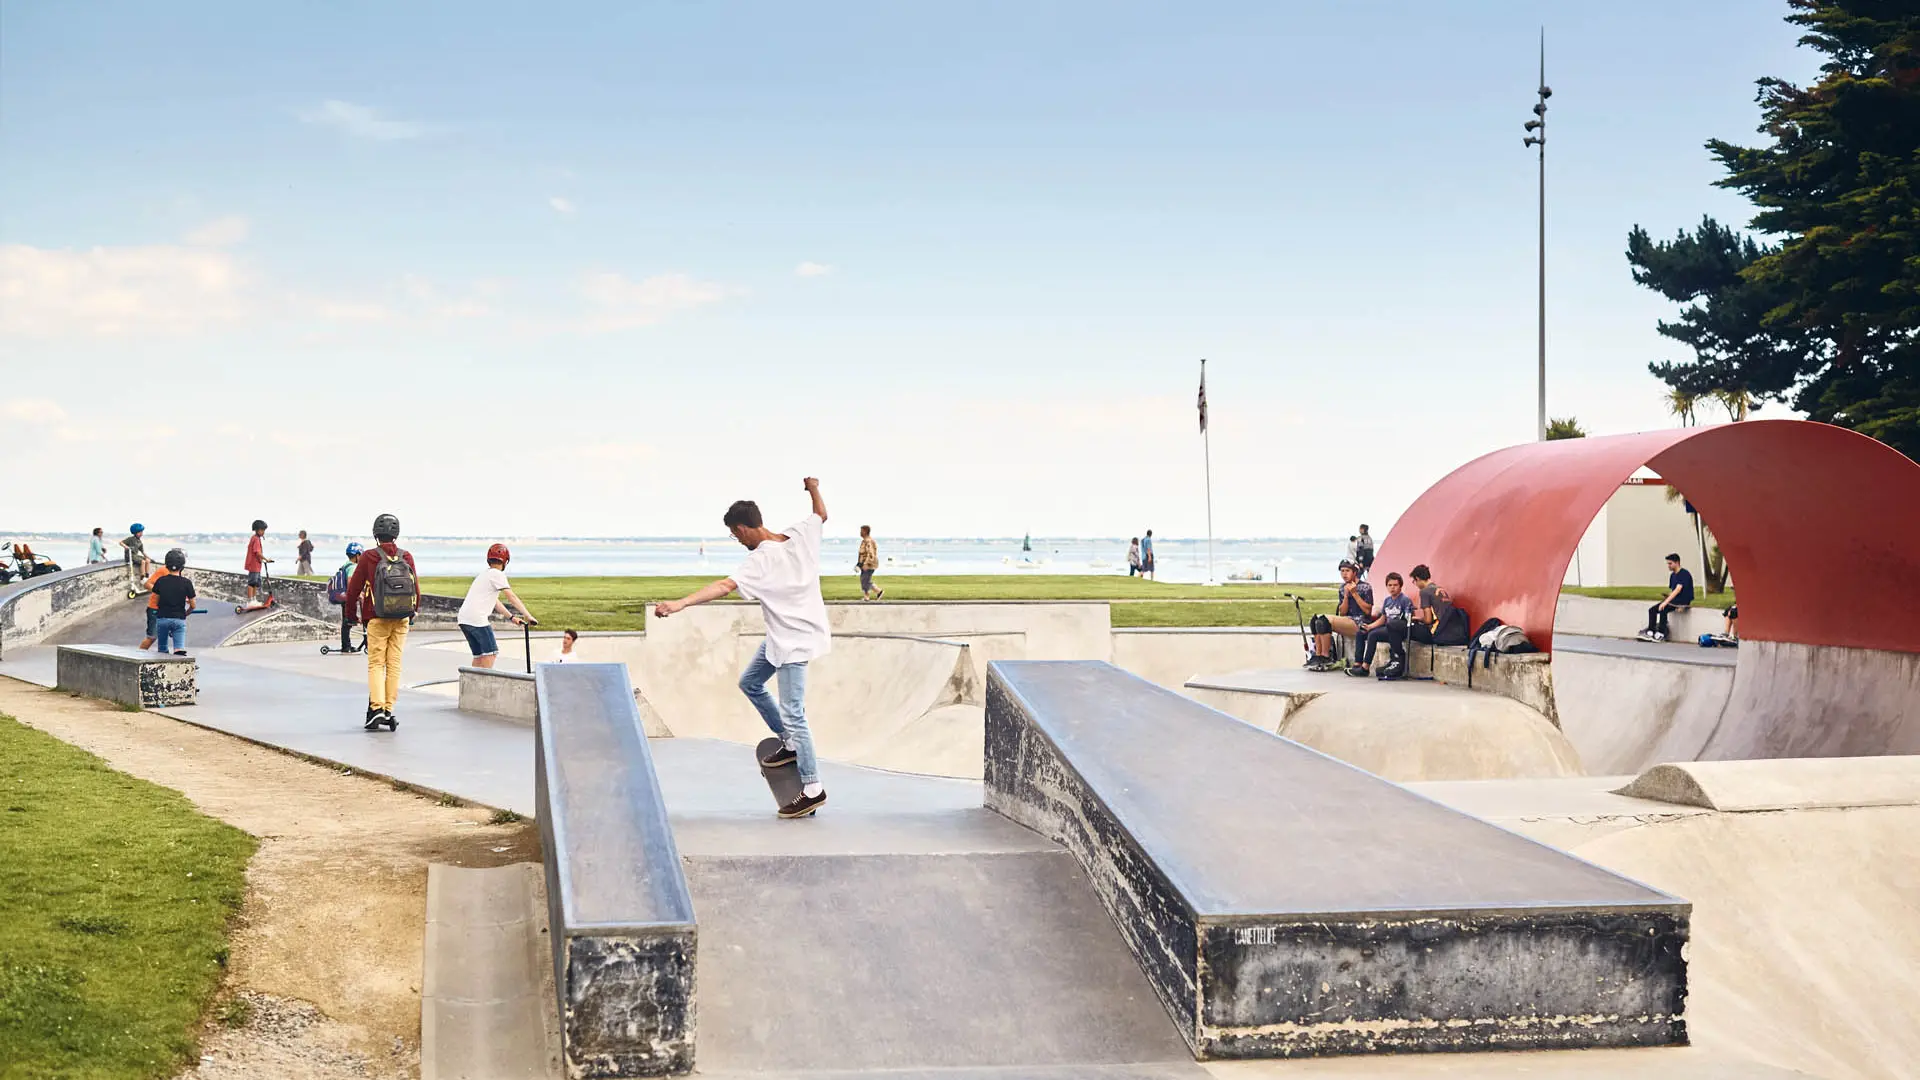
(1642, 527)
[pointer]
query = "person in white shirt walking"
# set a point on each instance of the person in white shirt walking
(483, 602)
(782, 572)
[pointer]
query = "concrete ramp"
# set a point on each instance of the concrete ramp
(125, 623)
(1787, 784)
(906, 703)
(1627, 706)
(950, 962)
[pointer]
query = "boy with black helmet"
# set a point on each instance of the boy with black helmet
(386, 590)
(257, 560)
(173, 598)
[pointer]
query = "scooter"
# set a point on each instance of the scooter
(261, 600)
(334, 650)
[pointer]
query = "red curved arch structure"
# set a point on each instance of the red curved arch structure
(1820, 526)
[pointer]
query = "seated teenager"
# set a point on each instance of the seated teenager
(1389, 624)
(1679, 597)
(1354, 607)
(1435, 620)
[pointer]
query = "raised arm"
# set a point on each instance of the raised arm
(703, 594)
(819, 504)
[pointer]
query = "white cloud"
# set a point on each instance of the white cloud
(362, 122)
(812, 269)
(625, 303)
(563, 205)
(33, 411)
(221, 232)
(114, 291)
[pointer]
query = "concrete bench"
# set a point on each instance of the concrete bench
(1525, 677)
(620, 918)
(1285, 904)
(130, 676)
(498, 693)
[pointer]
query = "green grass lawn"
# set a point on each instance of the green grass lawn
(619, 603)
(1649, 594)
(114, 900)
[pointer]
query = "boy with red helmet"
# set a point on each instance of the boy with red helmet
(483, 602)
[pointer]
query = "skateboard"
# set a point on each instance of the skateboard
(784, 781)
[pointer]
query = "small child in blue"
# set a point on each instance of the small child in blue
(1391, 617)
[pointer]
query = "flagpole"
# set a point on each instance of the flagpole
(1206, 443)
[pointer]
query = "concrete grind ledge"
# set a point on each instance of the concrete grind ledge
(1283, 904)
(620, 917)
(135, 677)
(498, 693)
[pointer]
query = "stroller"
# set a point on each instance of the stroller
(27, 565)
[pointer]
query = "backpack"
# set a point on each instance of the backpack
(337, 587)
(1482, 640)
(393, 587)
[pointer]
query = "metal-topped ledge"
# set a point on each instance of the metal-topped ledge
(621, 919)
(1284, 904)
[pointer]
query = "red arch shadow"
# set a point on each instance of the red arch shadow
(1820, 525)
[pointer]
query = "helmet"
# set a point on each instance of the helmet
(136, 527)
(354, 549)
(499, 553)
(258, 525)
(386, 527)
(176, 559)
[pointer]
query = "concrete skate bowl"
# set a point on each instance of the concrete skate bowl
(1804, 941)
(90, 606)
(908, 704)
(1787, 501)
(1403, 731)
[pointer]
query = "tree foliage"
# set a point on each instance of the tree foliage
(1565, 427)
(1828, 318)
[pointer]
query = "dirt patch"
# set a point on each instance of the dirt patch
(324, 980)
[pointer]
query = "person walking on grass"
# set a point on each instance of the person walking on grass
(256, 564)
(305, 551)
(1146, 556)
(483, 602)
(867, 563)
(1133, 557)
(385, 587)
(782, 572)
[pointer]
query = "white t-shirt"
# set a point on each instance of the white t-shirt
(566, 658)
(784, 576)
(482, 595)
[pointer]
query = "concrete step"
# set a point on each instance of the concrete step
(486, 995)
(984, 964)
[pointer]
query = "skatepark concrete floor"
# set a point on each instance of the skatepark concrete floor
(1806, 932)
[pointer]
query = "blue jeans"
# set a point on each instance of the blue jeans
(174, 630)
(789, 719)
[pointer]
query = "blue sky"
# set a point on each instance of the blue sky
(601, 269)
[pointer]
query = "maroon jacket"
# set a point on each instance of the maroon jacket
(360, 587)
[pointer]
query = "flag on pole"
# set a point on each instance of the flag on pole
(1203, 397)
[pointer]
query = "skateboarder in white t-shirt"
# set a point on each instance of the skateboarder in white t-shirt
(782, 572)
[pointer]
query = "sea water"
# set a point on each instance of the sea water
(1176, 559)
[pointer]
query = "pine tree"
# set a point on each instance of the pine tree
(1829, 318)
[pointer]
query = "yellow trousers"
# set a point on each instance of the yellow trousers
(385, 640)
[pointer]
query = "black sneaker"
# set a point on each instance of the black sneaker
(373, 718)
(803, 805)
(782, 755)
